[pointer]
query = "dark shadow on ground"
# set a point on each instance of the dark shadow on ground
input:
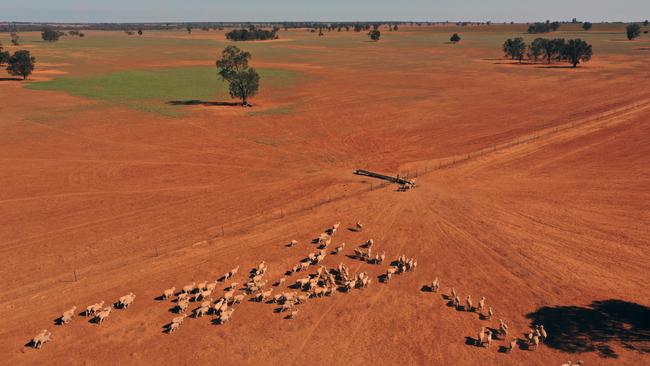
(594, 328)
(204, 103)
(11, 79)
(558, 67)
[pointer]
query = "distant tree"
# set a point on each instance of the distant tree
(587, 26)
(645, 23)
(515, 48)
(455, 38)
(536, 49)
(633, 31)
(396, 29)
(548, 48)
(320, 32)
(543, 27)
(254, 34)
(374, 35)
(189, 29)
(233, 67)
(50, 35)
(140, 31)
(15, 39)
(576, 51)
(4, 56)
(21, 64)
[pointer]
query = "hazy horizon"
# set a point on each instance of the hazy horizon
(122, 11)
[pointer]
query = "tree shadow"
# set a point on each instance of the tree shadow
(575, 329)
(557, 67)
(203, 103)
(11, 79)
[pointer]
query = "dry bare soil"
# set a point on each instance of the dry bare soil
(545, 211)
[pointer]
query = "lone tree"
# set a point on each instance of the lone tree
(515, 48)
(244, 81)
(50, 35)
(633, 31)
(587, 26)
(645, 23)
(21, 64)
(375, 34)
(4, 56)
(140, 32)
(576, 51)
(15, 39)
(455, 38)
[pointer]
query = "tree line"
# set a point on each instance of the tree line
(252, 34)
(21, 63)
(573, 51)
(543, 27)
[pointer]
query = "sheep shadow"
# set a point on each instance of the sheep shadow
(503, 349)
(426, 288)
(383, 278)
(94, 320)
(354, 229)
(575, 329)
(59, 321)
(159, 298)
(31, 343)
(203, 103)
(175, 310)
(471, 341)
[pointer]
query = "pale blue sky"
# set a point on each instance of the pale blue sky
(320, 10)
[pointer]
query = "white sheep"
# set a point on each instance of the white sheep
(41, 338)
(102, 315)
(168, 293)
(189, 288)
(93, 309)
(67, 315)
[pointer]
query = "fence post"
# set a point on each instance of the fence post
(75, 275)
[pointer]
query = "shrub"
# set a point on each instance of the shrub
(455, 38)
(633, 31)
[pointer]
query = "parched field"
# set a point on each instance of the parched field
(121, 167)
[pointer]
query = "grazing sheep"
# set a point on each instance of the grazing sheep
(102, 315)
(490, 313)
(489, 338)
(339, 249)
(359, 227)
(470, 306)
(453, 292)
(535, 343)
(237, 299)
(293, 243)
(189, 288)
(513, 345)
(182, 296)
(67, 315)
(387, 277)
(125, 301)
(182, 305)
(234, 271)
(503, 328)
(93, 309)
(293, 314)
(391, 270)
(435, 285)
(304, 266)
(41, 338)
(481, 304)
(543, 333)
(201, 285)
(199, 312)
(481, 337)
(168, 293)
(211, 286)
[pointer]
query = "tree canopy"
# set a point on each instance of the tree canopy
(633, 31)
(515, 48)
(22, 63)
(50, 35)
(455, 38)
(4, 56)
(374, 34)
(587, 26)
(576, 51)
(243, 80)
(254, 34)
(543, 27)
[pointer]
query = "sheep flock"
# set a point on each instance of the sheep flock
(305, 281)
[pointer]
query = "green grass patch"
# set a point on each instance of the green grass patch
(151, 90)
